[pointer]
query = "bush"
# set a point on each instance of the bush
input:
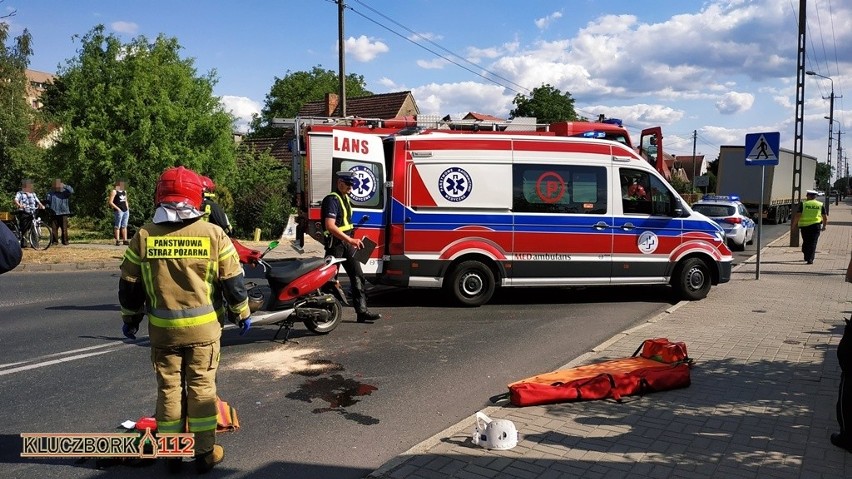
(261, 195)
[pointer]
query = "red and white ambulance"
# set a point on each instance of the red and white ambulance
(471, 213)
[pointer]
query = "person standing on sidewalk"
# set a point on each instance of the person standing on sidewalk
(177, 270)
(843, 439)
(27, 203)
(121, 212)
(810, 219)
(339, 242)
(57, 200)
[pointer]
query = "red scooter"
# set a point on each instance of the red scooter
(303, 290)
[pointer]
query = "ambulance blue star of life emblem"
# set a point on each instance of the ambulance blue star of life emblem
(364, 187)
(455, 184)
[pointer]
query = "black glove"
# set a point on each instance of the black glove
(129, 331)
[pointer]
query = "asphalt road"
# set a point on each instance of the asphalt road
(322, 406)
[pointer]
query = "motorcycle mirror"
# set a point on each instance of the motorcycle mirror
(272, 245)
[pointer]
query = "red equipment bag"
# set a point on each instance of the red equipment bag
(609, 379)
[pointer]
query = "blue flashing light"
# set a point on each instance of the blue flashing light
(613, 121)
(721, 197)
(594, 134)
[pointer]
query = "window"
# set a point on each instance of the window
(644, 194)
(566, 189)
(368, 190)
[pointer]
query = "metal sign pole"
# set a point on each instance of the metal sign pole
(760, 222)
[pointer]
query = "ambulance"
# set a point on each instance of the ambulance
(473, 213)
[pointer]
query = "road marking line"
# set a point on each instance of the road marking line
(38, 362)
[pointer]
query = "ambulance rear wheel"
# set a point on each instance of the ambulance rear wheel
(692, 279)
(471, 283)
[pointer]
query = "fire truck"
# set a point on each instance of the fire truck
(472, 207)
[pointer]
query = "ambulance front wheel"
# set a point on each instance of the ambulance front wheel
(471, 283)
(692, 279)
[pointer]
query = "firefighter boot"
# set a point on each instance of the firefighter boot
(206, 461)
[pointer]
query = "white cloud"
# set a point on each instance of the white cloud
(734, 102)
(640, 115)
(425, 36)
(129, 28)
(435, 64)
(545, 22)
(462, 97)
(242, 108)
(365, 49)
(388, 83)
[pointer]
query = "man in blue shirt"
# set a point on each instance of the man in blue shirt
(57, 200)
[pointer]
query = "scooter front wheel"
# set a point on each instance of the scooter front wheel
(324, 327)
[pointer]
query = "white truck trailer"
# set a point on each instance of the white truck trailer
(736, 178)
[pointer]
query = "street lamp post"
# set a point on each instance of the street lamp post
(830, 118)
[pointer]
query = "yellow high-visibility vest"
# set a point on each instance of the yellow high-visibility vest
(811, 213)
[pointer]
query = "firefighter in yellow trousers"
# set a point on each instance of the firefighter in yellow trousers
(177, 271)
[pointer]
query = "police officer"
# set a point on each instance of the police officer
(339, 242)
(166, 274)
(212, 211)
(810, 218)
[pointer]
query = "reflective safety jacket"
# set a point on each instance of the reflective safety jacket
(811, 213)
(344, 216)
(177, 275)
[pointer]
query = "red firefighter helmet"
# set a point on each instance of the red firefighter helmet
(180, 185)
(207, 183)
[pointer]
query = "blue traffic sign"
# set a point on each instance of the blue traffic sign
(761, 149)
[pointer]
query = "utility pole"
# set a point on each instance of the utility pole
(342, 57)
(694, 140)
(796, 193)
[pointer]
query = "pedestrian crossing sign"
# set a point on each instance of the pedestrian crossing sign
(761, 149)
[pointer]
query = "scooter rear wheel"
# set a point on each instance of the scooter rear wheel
(325, 327)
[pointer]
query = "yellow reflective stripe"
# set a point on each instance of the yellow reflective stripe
(209, 278)
(148, 278)
(228, 251)
(170, 426)
(131, 256)
(239, 308)
(127, 312)
(183, 322)
(201, 424)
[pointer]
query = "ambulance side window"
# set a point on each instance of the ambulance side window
(571, 189)
(635, 187)
(644, 194)
(663, 201)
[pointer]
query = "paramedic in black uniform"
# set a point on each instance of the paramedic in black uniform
(339, 242)
(843, 438)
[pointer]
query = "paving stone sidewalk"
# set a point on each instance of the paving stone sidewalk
(761, 403)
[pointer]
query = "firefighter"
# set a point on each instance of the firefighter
(212, 211)
(176, 271)
(339, 242)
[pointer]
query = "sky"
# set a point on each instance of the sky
(719, 68)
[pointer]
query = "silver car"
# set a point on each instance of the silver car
(729, 213)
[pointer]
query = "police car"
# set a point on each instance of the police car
(731, 215)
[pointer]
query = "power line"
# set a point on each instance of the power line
(450, 60)
(418, 35)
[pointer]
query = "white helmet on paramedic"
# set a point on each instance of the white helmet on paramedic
(497, 434)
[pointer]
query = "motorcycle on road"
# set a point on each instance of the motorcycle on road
(303, 290)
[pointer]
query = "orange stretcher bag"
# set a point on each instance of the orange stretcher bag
(658, 365)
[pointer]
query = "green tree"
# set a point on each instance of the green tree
(19, 157)
(547, 104)
(288, 94)
(128, 111)
(823, 176)
(261, 194)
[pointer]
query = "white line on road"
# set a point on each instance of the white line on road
(42, 361)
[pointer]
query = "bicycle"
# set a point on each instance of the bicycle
(37, 232)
